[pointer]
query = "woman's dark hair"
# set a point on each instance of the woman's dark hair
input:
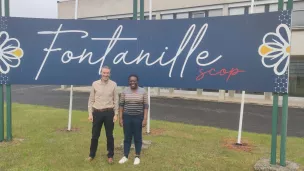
(133, 75)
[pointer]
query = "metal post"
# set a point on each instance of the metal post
(9, 134)
(1, 114)
(241, 119)
(8, 93)
(70, 109)
(150, 9)
(284, 130)
(274, 119)
(2, 7)
(7, 10)
(281, 5)
(251, 6)
(290, 4)
(142, 9)
(149, 89)
(284, 115)
(1, 95)
(243, 100)
(134, 18)
(274, 129)
(134, 9)
(71, 88)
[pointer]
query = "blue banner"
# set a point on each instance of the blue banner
(246, 52)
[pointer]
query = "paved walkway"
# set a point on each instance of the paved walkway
(210, 96)
(257, 118)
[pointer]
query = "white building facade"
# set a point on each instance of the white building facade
(178, 9)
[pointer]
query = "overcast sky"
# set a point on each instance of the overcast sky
(33, 8)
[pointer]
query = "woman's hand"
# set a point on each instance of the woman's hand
(144, 123)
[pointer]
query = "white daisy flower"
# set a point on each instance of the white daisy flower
(10, 53)
(275, 50)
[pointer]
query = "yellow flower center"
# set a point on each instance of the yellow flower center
(18, 52)
(288, 49)
(265, 49)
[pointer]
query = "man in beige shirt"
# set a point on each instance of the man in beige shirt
(103, 110)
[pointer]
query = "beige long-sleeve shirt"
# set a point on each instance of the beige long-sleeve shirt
(103, 95)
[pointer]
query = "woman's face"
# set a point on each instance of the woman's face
(133, 82)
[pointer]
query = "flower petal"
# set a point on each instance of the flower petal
(268, 52)
(3, 38)
(282, 65)
(273, 38)
(11, 60)
(274, 54)
(283, 33)
(17, 53)
(4, 68)
(270, 62)
(11, 45)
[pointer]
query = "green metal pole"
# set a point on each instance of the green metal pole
(281, 5)
(142, 9)
(9, 113)
(274, 128)
(274, 120)
(7, 10)
(134, 9)
(284, 115)
(1, 100)
(284, 130)
(1, 112)
(290, 4)
(8, 92)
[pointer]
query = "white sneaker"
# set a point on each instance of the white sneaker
(136, 161)
(123, 160)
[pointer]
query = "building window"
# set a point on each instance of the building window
(267, 8)
(167, 16)
(199, 14)
(297, 18)
(214, 13)
(273, 7)
(237, 11)
(153, 17)
(258, 9)
(296, 77)
(298, 5)
(182, 15)
(128, 18)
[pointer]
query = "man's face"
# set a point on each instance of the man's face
(105, 74)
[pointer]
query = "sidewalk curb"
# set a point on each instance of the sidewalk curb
(235, 100)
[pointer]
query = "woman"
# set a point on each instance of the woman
(133, 117)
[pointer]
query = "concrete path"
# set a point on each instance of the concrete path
(209, 96)
(257, 118)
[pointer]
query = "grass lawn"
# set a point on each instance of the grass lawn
(39, 145)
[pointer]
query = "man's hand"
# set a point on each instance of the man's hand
(115, 118)
(121, 122)
(144, 123)
(90, 118)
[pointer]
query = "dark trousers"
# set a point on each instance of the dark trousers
(132, 125)
(100, 118)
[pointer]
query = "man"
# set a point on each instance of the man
(103, 110)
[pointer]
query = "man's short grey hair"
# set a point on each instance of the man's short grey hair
(105, 67)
